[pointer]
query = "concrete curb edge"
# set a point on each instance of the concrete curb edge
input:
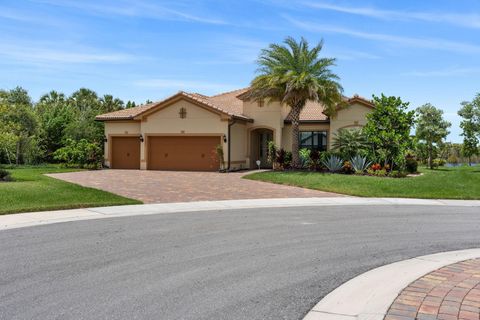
(19, 220)
(369, 295)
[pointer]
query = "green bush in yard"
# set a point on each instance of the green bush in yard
(411, 164)
(80, 153)
(305, 158)
(5, 175)
(438, 163)
(397, 174)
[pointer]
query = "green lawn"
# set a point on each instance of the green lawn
(32, 191)
(443, 183)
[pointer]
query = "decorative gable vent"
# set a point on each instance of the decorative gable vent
(183, 113)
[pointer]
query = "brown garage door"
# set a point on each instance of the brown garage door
(125, 153)
(183, 153)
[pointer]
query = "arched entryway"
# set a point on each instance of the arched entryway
(259, 139)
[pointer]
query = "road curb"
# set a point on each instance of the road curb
(47, 217)
(369, 295)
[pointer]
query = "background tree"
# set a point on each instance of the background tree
(109, 104)
(86, 106)
(294, 74)
(470, 124)
(431, 128)
(18, 117)
(130, 104)
(388, 130)
(54, 115)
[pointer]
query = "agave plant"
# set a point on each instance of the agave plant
(359, 163)
(333, 163)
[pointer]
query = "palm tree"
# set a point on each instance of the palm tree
(109, 104)
(293, 74)
(349, 142)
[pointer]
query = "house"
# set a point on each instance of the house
(183, 131)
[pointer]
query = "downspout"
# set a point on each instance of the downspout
(230, 124)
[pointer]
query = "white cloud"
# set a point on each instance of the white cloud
(429, 43)
(37, 53)
(136, 8)
(471, 20)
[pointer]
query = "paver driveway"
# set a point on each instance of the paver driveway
(180, 186)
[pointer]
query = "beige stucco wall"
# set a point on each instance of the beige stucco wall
(119, 128)
(238, 139)
(270, 116)
(353, 116)
(167, 121)
(287, 133)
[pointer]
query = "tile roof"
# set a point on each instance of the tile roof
(313, 111)
(229, 103)
(226, 103)
(126, 114)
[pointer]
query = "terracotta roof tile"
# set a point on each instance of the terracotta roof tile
(228, 103)
(126, 114)
(313, 111)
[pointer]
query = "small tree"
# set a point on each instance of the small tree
(350, 142)
(431, 128)
(470, 112)
(388, 130)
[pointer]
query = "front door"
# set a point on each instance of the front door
(264, 139)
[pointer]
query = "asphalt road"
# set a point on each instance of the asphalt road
(242, 264)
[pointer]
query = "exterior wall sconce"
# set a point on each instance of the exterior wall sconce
(224, 138)
(141, 138)
(105, 139)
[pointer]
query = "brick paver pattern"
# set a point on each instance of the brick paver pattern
(179, 186)
(449, 293)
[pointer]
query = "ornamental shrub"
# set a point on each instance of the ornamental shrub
(438, 163)
(80, 153)
(411, 164)
(315, 160)
(304, 158)
(397, 174)
(5, 175)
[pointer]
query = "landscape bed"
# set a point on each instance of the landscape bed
(443, 183)
(31, 190)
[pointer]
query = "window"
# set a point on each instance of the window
(313, 140)
(261, 103)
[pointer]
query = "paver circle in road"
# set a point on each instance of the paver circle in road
(449, 293)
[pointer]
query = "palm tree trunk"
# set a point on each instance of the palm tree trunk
(295, 116)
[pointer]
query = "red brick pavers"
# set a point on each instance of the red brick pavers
(177, 186)
(449, 293)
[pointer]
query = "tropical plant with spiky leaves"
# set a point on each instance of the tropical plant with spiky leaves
(293, 73)
(333, 163)
(350, 142)
(359, 164)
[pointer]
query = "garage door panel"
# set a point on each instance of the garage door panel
(125, 153)
(183, 153)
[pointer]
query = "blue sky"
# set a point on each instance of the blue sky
(422, 51)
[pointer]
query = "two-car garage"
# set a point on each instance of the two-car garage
(195, 153)
(181, 133)
(182, 153)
